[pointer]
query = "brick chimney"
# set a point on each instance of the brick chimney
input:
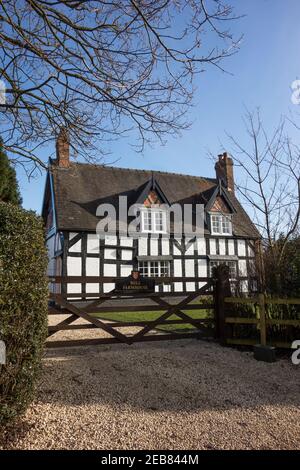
(224, 171)
(63, 149)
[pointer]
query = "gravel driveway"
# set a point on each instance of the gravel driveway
(186, 394)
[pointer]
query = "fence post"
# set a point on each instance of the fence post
(262, 352)
(222, 290)
(262, 319)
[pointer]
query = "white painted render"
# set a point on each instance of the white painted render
(93, 245)
(109, 270)
(231, 250)
(244, 286)
(175, 248)
(251, 252)
(242, 268)
(110, 253)
(74, 266)
(108, 287)
(142, 246)
(110, 240)
(222, 247)
(153, 247)
(177, 268)
(92, 266)
(72, 235)
(190, 272)
(178, 286)
(213, 246)
(126, 255)
(165, 247)
(76, 248)
(126, 241)
(202, 268)
(126, 270)
(241, 248)
(92, 288)
(189, 268)
(201, 245)
(191, 248)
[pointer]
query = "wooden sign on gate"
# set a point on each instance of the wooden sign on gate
(135, 284)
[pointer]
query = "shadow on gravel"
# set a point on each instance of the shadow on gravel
(180, 376)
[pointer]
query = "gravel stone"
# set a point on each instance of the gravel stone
(185, 394)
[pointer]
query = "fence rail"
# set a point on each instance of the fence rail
(261, 302)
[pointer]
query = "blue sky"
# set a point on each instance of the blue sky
(260, 75)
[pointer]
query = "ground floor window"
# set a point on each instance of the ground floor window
(154, 268)
(231, 264)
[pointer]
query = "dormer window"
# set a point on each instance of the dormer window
(220, 224)
(154, 221)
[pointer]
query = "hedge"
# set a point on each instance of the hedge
(23, 307)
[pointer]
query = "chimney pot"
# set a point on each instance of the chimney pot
(63, 148)
(224, 171)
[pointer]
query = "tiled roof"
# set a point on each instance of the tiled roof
(79, 189)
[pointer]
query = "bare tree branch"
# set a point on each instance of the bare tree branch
(269, 183)
(103, 69)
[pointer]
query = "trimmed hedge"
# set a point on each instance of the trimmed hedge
(23, 306)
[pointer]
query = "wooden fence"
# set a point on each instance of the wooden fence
(260, 318)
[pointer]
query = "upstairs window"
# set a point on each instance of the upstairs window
(221, 224)
(146, 221)
(154, 221)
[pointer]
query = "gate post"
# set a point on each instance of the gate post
(222, 290)
(262, 319)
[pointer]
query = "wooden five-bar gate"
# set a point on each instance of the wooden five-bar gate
(90, 306)
(174, 320)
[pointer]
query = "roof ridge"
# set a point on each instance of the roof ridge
(138, 170)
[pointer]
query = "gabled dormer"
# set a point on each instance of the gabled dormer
(153, 204)
(219, 211)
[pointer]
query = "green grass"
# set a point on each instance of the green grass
(149, 316)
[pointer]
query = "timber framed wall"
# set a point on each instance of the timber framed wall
(84, 254)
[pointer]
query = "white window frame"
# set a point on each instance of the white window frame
(222, 219)
(213, 263)
(154, 268)
(152, 227)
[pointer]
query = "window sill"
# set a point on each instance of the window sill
(221, 234)
(146, 232)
